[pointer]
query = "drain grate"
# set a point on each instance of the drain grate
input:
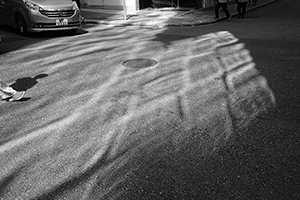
(139, 63)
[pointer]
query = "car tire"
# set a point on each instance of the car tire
(21, 25)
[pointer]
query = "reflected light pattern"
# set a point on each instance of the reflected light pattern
(122, 135)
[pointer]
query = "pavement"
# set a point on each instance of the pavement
(159, 17)
(121, 132)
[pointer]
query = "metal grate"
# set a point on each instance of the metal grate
(57, 13)
(139, 63)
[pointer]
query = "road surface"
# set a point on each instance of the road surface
(215, 118)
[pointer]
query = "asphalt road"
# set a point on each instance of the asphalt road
(216, 118)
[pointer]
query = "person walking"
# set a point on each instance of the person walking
(9, 93)
(241, 8)
(222, 4)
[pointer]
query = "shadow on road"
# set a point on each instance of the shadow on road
(259, 164)
(26, 83)
(12, 41)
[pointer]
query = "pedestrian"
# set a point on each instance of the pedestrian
(7, 92)
(241, 8)
(222, 4)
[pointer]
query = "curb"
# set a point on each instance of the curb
(182, 24)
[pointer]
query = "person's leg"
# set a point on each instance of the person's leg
(243, 7)
(239, 9)
(6, 89)
(217, 7)
(7, 92)
(224, 6)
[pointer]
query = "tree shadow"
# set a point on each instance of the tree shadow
(26, 83)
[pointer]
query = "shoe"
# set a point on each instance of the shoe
(17, 96)
(229, 18)
(4, 96)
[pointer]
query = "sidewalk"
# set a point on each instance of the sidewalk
(158, 17)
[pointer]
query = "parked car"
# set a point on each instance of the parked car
(40, 15)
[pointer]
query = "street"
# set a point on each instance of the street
(216, 116)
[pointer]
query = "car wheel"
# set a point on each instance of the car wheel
(21, 25)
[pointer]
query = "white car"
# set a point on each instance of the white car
(40, 15)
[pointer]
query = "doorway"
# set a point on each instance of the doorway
(146, 4)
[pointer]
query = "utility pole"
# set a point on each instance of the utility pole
(124, 6)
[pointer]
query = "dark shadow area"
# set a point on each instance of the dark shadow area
(52, 34)
(13, 41)
(21, 100)
(261, 163)
(168, 39)
(146, 4)
(8, 28)
(97, 15)
(282, 73)
(26, 83)
(250, 15)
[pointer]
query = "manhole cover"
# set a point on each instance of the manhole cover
(139, 63)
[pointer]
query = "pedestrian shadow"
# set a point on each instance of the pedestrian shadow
(26, 83)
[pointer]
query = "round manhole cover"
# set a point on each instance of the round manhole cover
(139, 63)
